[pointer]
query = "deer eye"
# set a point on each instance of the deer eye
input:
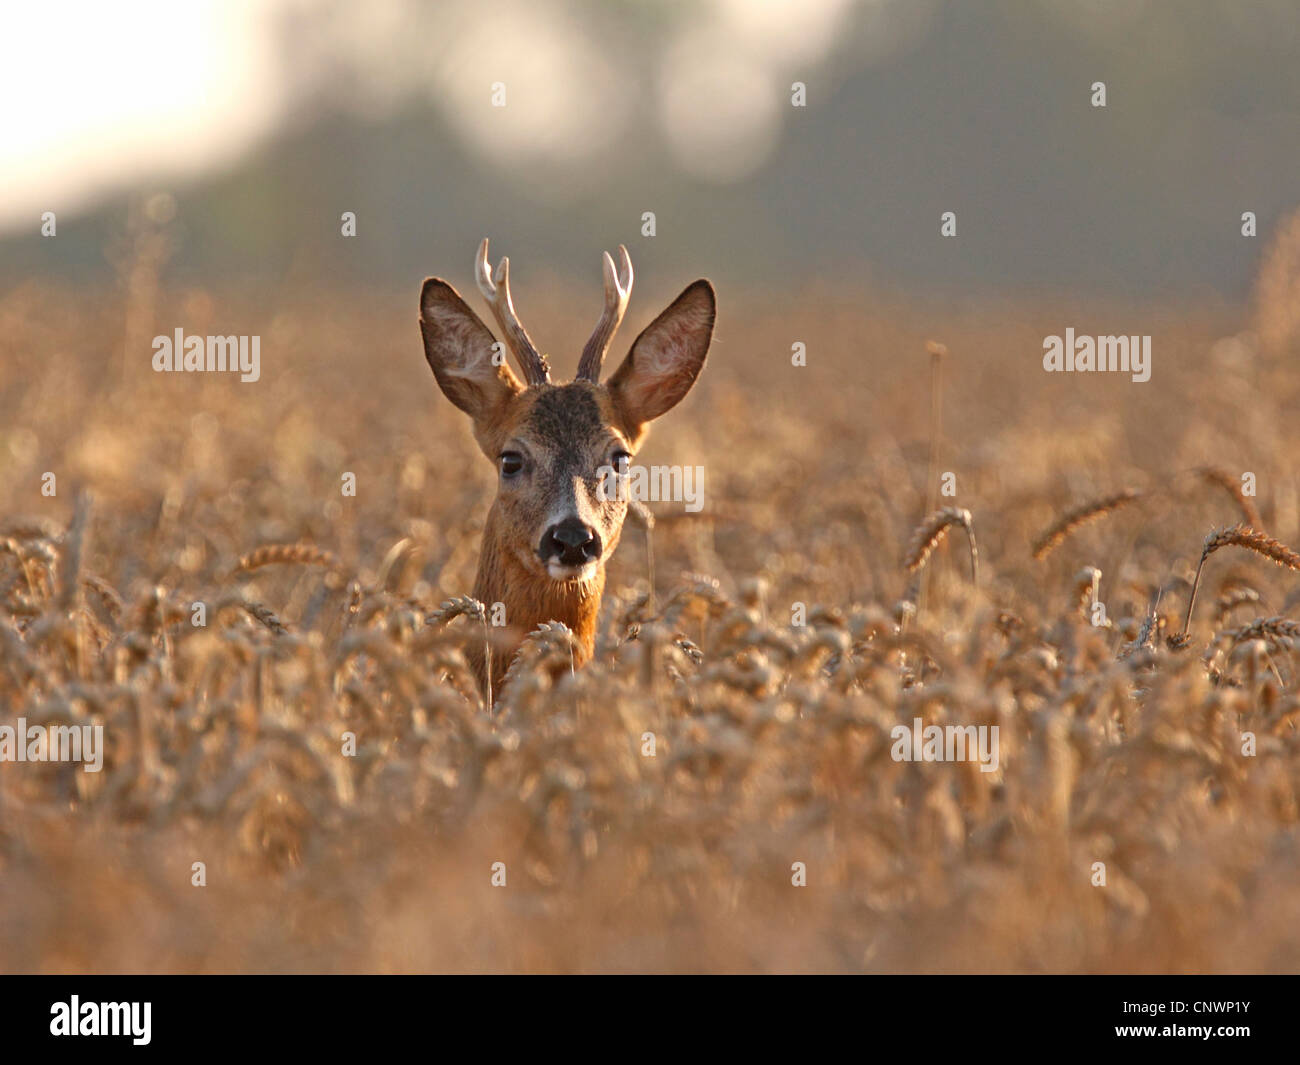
(621, 460)
(512, 462)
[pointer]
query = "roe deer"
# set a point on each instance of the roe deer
(552, 528)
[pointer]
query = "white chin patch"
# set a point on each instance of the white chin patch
(560, 572)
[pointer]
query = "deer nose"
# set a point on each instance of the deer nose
(570, 542)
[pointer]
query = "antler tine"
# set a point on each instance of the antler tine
(483, 273)
(618, 290)
(496, 290)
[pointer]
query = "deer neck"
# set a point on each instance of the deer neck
(531, 599)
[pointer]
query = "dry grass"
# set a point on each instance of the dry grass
(772, 740)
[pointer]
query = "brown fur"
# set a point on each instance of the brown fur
(529, 601)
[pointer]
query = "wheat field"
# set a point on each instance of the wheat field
(329, 614)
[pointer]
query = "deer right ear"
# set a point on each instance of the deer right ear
(665, 359)
(466, 360)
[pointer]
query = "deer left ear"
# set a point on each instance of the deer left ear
(461, 352)
(666, 358)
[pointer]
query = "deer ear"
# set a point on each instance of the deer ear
(665, 359)
(460, 350)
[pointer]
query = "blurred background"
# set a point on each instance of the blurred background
(259, 122)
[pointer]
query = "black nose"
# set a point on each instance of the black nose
(570, 542)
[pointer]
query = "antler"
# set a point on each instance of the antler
(618, 289)
(496, 290)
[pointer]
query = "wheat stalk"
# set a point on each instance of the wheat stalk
(1239, 536)
(937, 352)
(70, 556)
(1079, 516)
(930, 533)
(648, 520)
(1232, 486)
(1084, 592)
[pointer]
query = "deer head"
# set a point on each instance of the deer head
(554, 523)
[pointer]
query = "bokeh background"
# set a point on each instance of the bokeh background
(266, 119)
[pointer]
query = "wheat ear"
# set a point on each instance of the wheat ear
(930, 533)
(469, 607)
(300, 553)
(1239, 536)
(1278, 628)
(264, 614)
(1078, 516)
(1232, 486)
